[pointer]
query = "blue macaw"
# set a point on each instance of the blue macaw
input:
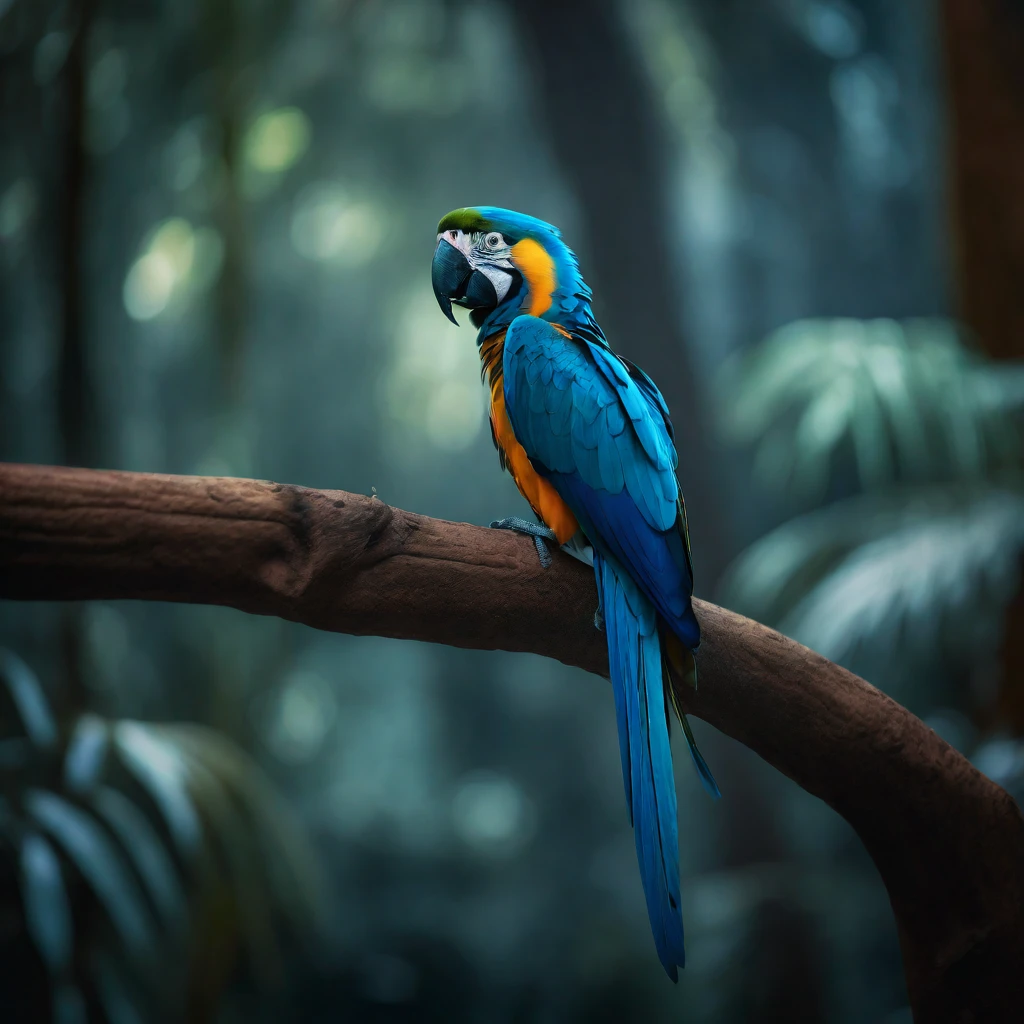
(588, 440)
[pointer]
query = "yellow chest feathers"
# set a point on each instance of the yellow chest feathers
(543, 498)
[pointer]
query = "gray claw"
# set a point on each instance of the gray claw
(537, 531)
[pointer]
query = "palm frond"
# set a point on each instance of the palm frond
(31, 707)
(881, 583)
(158, 823)
(292, 872)
(47, 910)
(150, 858)
(903, 401)
(159, 769)
(86, 753)
(768, 579)
(101, 863)
(119, 1002)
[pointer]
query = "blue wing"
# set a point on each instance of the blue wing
(602, 436)
(599, 430)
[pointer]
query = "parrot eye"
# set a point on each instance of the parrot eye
(493, 241)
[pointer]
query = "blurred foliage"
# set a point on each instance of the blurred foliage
(258, 199)
(903, 402)
(154, 861)
(914, 574)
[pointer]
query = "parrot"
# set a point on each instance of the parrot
(587, 438)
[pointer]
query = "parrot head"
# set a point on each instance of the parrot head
(497, 263)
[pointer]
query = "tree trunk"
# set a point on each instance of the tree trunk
(76, 398)
(604, 130)
(984, 50)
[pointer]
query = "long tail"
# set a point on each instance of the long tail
(634, 655)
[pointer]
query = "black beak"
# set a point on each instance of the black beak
(454, 280)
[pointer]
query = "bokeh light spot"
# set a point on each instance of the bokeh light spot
(175, 240)
(491, 813)
(148, 286)
(329, 225)
(300, 717)
(17, 207)
(177, 262)
(277, 140)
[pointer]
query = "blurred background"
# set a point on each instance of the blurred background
(803, 217)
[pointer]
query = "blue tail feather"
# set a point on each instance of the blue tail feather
(634, 653)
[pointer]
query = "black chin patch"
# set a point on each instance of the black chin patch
(480, 293)
(478, 315)
(480, 298)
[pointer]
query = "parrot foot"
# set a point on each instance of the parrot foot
(538, 532)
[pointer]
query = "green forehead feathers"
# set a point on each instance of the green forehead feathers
(464, 219)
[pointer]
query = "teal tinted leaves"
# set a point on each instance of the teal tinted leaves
(874, 581)
(149, 856)
(86, 754)
(101, 864)
(123, 799)
(114, 991)
(29, 700)
(160, 771)
(910, 580)
(47, 911)
(907, 401)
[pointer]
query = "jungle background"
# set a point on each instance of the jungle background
(803, 217)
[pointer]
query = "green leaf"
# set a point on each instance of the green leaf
(47, 911)
(146, 849)
(934, 586)
(298, 884)
(908, 401)
(100, 863)
(774, 573)
(917, 582)
(113, 990)
(159, 769)
(239, 846)
(86, 753)
(29, 700)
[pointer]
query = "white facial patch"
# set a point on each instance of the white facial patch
(501, 279)
(491, 255)
(487, 253)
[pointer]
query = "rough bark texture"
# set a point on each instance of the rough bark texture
(949, 843)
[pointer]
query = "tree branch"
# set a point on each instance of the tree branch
(949, 843)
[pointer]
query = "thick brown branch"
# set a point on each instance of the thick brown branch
(948, 843)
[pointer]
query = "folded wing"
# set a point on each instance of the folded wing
(598, 429)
